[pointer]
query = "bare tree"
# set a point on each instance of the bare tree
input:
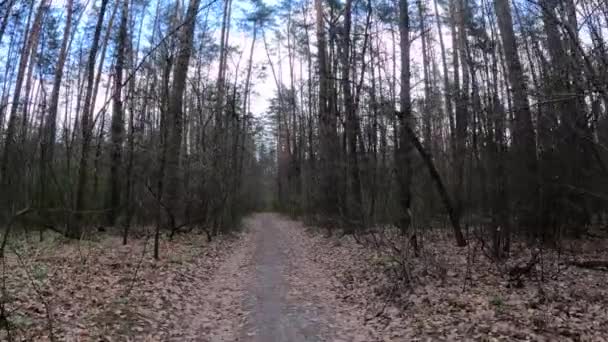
(74, 227)
(524, 140)
(118, 121)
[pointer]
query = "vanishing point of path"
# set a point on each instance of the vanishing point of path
(273, 288)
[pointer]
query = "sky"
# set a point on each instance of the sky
(263, 88)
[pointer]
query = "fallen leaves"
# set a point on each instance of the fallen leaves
(102, 290)
(458, 294)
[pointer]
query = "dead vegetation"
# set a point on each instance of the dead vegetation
(98, 289)
(449, 293)
(381, 288)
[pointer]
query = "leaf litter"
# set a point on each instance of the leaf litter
(100, 290)
(456, 294)
(371, 290)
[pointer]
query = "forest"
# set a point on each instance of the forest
(295, 170)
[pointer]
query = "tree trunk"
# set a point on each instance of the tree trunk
(355, 207)
(524, 143)
(74, 226)
(328, 138)
(404, 115)
(459, 37)
(447, 89)
(175, 113)
(47, 149)
(117, 130)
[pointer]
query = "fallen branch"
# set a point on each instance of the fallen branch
(388, 299)
(520, 270)
(591, 264)
(445, 198)
(139, 263)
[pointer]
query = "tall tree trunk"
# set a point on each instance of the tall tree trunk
(246, 109)
(328, 137)
(404, 115)
(573, 148)
(74, 226)
(428, 104)
(462, 116)
(219, 159)
(355, 208)
(175, 113)
(117, 130)
(47, 149)
(427, 111)
(524, 142)
(447, 89)
(130, 186)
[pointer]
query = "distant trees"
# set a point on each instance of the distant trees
(150, 160)
(9, 173)
(121, 112)
(488, 113)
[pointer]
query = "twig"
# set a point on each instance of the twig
(386, 300)
(139, 263)
(49, 314)
(9, 226)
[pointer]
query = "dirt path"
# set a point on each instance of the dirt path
(281, 308)
(271, 289)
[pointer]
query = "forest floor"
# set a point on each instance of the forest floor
(280, 281)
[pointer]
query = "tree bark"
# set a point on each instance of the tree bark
(447, 89)
(355, 207)
(524, 143)
(117, 130)
(47, 149)
(175, 113)
(404, 115)
(328, 137)
(74, 226)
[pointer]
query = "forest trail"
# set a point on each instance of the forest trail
(272, 289)
(282, 298)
